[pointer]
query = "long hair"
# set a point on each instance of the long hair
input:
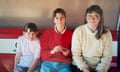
(101, 29)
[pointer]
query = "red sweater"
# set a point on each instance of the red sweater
(50, 39)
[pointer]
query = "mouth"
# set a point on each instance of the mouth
(92, 22)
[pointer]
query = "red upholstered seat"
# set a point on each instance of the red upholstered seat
(7, 60)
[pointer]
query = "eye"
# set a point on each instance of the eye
(97, 16)
(89, 16)
(62, 17)
(56, 18)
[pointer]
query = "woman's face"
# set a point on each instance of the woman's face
(93, 19)
(59, 19)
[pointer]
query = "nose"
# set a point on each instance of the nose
(31, 35)
(60, 19)
(93, 18)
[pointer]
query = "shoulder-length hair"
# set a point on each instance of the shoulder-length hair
(101, 29)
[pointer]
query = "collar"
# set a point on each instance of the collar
(55, 28)
(90, 29)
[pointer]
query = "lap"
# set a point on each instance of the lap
(55, 67)
(76, 69)
(19, 68)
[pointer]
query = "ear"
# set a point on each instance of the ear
(37, 32)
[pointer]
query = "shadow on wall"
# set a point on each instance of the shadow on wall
(18, 22)
(17, 13)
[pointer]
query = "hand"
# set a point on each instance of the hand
(29, 70)
(56, 49)
(65, 51)
(86, 70)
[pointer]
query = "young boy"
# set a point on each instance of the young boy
(28, 50)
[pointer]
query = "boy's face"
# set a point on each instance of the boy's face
(30, 35)
(59, 19)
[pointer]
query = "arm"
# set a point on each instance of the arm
(77, 50)
(17, 58)
(103, 66)
(36, 59)
(33, 65)
(45, 50)
(66, 50)
(18, 52)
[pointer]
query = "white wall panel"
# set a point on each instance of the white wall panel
(7, 45)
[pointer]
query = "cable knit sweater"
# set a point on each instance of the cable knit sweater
(91, 52)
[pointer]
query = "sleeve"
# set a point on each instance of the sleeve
(37, 50)
(70, 40)
(104, 65)
(19, 44)
(77, 50)
(68, 44)
(45, 50)
(18, 51)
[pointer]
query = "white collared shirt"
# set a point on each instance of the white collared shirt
(90, 29)
(60, 32)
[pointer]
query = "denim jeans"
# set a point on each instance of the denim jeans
(25, 69)
(55, 67)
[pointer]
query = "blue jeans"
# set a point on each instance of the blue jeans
(25, 69)
(55, 67)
